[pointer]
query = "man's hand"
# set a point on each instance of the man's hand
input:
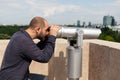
(54, 30)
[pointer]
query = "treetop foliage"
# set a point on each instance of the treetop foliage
(6, 31)
(109, 35)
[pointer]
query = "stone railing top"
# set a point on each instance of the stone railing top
(104, 43)
(95, 41)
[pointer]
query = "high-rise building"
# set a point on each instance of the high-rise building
(84, 24)
(108, 21)
(78, 23)
(89, 24)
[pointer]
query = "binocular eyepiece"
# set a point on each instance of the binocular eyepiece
(48, 29)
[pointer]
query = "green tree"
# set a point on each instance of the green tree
(6, 31)
(109, 35)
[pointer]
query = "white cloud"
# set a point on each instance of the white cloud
(47, 9)
(52, 10)
(109, 8)
(115, 3)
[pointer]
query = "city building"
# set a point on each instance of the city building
(89, 24)
(84, 24)
(78, 23)
(109, 21)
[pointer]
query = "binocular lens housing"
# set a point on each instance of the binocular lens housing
(88, 33)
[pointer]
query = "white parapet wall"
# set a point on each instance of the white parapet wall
(100, 60)
(3, 44)
(104, 60)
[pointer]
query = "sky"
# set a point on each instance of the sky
(58, 11)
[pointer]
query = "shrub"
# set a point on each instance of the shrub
(6, 31)
(109, 35)
(4, 36)
(109, 38)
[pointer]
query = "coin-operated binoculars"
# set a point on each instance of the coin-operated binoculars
(75, 37)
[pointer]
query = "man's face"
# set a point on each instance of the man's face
(42, 33)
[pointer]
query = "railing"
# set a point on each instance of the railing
(100, 61)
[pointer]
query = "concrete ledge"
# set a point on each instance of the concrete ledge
(100, 60)
(104, 60)
(3, 45)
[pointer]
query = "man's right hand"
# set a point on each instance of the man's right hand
(54, 30)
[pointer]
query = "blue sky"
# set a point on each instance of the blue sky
(58, 11)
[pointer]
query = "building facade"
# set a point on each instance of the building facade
(109, 21)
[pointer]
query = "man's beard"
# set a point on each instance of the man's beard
(41, 37)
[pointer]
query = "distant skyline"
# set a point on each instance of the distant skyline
(58, 11)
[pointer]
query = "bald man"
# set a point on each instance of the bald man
(21, 49)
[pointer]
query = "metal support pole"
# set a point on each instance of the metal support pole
(75, 57)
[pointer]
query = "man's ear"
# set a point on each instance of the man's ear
(37, 29)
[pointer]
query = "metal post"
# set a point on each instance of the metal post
(75, 57)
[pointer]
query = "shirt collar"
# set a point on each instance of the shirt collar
(26, 34)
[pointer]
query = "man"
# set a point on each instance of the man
(21, 49)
